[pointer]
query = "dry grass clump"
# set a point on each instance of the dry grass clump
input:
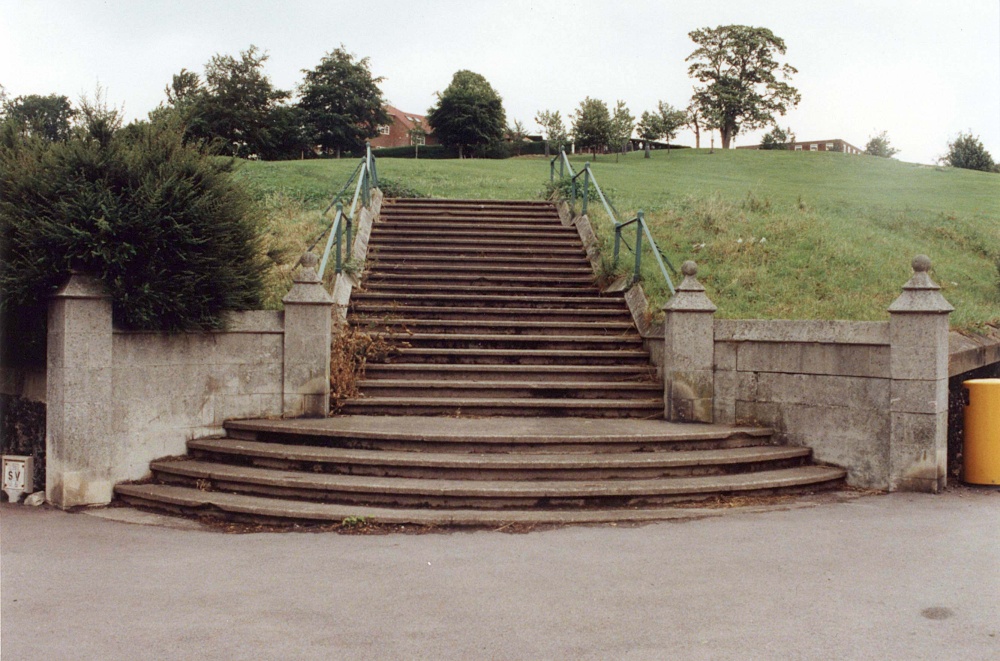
(350, 352)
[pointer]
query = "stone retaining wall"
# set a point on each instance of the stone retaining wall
(820, 384)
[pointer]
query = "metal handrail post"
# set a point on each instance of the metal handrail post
(329, 242)
(618, 241)
(586, 186)
(337, 263)
(552, 171)
(638, 246)
(350, 224)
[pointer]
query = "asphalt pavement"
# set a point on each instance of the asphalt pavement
(901, 576)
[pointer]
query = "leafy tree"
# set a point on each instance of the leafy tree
(516, 135)
(418, 136)
(552, 128)
(967, 152)
(342, 103)
(233, 107)
(287, 135)
(777, 138)
(694, 121)
(592, 127)
(469, 113)
(622, 123)
(742, 83)
(878, 145)
(48, 117)
(663, 123)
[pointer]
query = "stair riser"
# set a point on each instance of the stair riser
(492, 234)
(418, 356)
(524, 372)
(487, 474)
(496, 281)
(360, 407)
(498, 390)
(474, 502)
(445, 269)
(611, 344)
(380, 314)
(480, 228)
(396, 289)
(478, 326)
(489, 302)
(386, 256)
(512, 447)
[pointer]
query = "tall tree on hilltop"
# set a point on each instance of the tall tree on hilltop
(967, 151)
(663, 123)
(622, 123)
(469, 113)
(553, 129)
(878, 145)
(341, 101)
(235, 105)
(742, 85)
(47, 117)
(592, 125)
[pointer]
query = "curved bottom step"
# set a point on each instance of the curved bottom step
(257, 509)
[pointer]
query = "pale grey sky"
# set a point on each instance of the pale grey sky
(921, 69)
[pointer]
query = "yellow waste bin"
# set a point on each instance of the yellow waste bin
(981, 451)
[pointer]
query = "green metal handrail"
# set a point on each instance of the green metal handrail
(642, 228)
(343, 222)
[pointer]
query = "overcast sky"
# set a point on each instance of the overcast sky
(921, 69)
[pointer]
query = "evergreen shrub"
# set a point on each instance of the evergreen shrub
(173, 236)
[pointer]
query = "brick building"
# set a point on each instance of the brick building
(398, 133)
(836, 145)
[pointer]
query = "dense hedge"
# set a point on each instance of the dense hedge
(496, 151)
(173, 236)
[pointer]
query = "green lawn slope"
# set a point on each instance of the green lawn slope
(776, 234)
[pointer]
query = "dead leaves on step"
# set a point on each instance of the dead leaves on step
(350, 352)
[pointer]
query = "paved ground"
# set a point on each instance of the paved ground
(883, 577)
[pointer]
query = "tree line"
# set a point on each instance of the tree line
(741, 84)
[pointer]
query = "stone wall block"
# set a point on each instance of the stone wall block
(308, 326)
(918, 332)
(689, 351)
(80, 453)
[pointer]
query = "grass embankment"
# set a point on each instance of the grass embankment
(775, 234)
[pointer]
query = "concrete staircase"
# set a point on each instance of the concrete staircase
(494, 312)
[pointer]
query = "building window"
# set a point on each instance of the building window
(798, 147)
(829, 146)
(813, 147)
(418, 139)
(384, 130)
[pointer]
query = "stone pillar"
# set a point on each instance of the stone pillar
(918, 404)
(308, 309)
(78, 443)
(689, 350)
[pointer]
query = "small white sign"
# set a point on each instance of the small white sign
(18, 476)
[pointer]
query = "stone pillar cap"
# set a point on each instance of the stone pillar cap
(82, 285)
(690, 294)
(920, 293)
(307, 287)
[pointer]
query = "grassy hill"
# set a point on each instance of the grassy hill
(775, 234)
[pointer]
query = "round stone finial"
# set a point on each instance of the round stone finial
(309, 260)
(921, 264)
(689, 268)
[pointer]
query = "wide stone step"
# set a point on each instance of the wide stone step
(486, 232)
(515, 388)
(257, 509)
(446, 268)
(380, 238)
(403, 290)
(495, 280)
(380, 250)
(505, 435)
(379, 311)
(467, 261)
(498, 406)
(496, 466)
(558, 373)
(482, 493)
(496, 327)
(519, 356)
(457, 340)
(477, 226)
(495, 300)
